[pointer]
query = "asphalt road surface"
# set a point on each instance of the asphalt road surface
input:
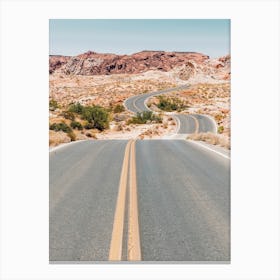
(205, 123)
(148, 200)
(136, 103)
(187, 124)
(194, 123)
(82, 198)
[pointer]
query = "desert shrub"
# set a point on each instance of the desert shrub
(218, 118)
(60, 126)
(170, 104)
(119, 108)
(221, 129)
(97, 116)
(53, 105)
(76, 108)
(76, 125)
(86, 114)
(65, 128)
(68, 115)
(72, 135)
(166, 104)
(144, 117)
(89, 125)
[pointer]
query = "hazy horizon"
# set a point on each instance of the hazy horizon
(71, 37)
(59, 54)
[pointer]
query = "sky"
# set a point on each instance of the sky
(127, 36)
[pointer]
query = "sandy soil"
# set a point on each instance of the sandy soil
(211, 98)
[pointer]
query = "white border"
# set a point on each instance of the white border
(255, 137)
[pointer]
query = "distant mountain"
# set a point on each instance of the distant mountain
(92, 63)
(56, 61)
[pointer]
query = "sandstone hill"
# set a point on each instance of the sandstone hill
(185, 64)
(56, 61)
(92, 63)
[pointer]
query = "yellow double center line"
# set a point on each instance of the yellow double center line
(133, 243)
(196, 124)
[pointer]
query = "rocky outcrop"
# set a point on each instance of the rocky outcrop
(187, 71)
(56, 62)
(186, 66)
(92, 63)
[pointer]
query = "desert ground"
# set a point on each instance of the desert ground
(209, 93)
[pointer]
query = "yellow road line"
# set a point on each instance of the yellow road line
(115, 253)
(133, 244)
(196, 124)
(134, 103)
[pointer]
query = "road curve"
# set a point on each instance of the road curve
(194, 123)
(205, 123)
(187, 123)
(136, 104)
(183, 201)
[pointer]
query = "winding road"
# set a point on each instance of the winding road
(187, 123)
(137, 103)
(140, 200)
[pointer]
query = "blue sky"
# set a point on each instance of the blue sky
(127, 36)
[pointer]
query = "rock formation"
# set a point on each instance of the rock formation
(56, 61)
(92, 63)
(186, 65)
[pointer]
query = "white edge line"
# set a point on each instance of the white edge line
(64, 145)
(146, 101)
(211, 119)
(178, 123)
(207, 148)
(134, 104)
(124, 103)
(152, 94)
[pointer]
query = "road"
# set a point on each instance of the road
(136, 104)
(187, 123)
(82, 196)
(194, 123)
(153, 200)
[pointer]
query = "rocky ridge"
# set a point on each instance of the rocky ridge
(185, 65)
(92, 63)
(56, 62)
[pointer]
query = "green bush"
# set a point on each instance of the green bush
(119, 108)
(68, 115)
(53, 105)
(221, 129)
(76, 125)
(144, 117)
(60, 126)
(65, 128)
(89, 125)
(97, 116)
(76, 108)
(170, 104)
